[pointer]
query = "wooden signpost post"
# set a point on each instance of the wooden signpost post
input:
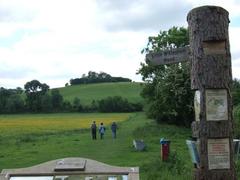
(211, 78)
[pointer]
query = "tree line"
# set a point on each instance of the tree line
(36, 97)
(94, 77)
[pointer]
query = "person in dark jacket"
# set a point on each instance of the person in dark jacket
(94, 130)
(114, 130)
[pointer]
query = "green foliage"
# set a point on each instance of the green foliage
(118, 104)
(94, 77)
(238, 168)
(236, 91)
(11, 101)
(173, 38)
(57, 100)
(67, 106)
(35, 86)
(4, 94)
(167, 88)
(77, 105)
(14, 104)
(46, 103)
(36, 93)
(236, 118)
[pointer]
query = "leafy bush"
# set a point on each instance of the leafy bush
(236, 118)
(118, 104)
(167, 87)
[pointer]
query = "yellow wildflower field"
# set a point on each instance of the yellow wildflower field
(43, 123)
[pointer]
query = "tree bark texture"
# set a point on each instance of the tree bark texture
(211, 69)
(209, 24)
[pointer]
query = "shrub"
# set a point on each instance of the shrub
(118, 104)
(236, 119)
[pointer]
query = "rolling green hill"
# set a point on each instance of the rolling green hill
(87, 93)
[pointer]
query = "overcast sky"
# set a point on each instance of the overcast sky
(56, 40)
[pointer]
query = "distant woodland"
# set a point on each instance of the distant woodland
(94, 77)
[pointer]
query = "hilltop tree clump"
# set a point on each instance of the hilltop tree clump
(94, 77)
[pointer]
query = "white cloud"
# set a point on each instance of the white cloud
(234, 41)
(54, 41)
(236, 68)
(141, 15)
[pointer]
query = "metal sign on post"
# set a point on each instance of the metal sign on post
(211, 76)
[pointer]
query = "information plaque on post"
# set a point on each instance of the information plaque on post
(218, 153)
(216, 105)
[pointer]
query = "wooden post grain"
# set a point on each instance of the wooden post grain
(210, 74)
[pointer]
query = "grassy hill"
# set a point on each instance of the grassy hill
(87, 93)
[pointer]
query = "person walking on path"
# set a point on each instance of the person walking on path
(102, 130)
(94, 130)
(114, 130)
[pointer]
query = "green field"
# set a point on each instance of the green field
(87, 93)
(29, 145)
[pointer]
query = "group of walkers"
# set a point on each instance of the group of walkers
(102, 130)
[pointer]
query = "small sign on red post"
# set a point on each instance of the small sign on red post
(165, 149)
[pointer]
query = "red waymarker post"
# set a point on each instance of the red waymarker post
(165, 149)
